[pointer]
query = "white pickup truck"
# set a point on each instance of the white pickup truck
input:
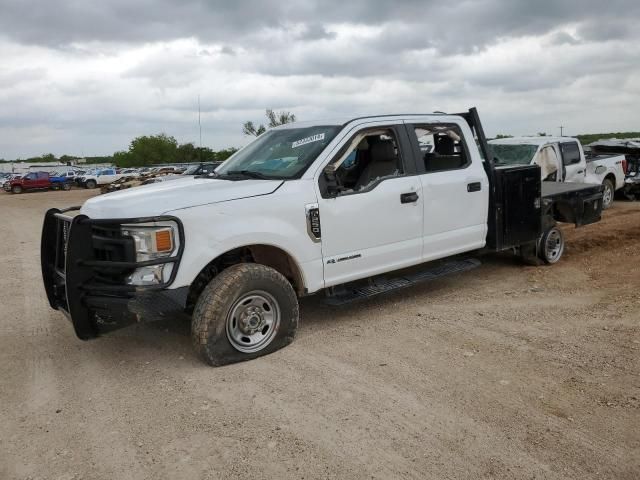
(101, 176)
(562, 159)
(331, 206)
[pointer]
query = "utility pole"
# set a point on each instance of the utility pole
(561, 127)
(200, 128)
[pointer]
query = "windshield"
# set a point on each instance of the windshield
(191, 170)
(282, 154)
(513, 154)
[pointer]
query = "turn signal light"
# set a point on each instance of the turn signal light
(164, 242)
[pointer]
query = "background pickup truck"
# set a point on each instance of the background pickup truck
(62, 180)
(33, 181)
(353, 208)
(630, 148)
(102, 176)
(562, 159)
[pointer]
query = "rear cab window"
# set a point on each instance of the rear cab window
(570, 153)
(440, 147)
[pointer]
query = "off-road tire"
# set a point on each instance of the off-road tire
(16, 189)
(208, 323)
(545, 252)
(608, 193)
(90, 184)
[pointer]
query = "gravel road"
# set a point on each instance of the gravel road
(508, 372)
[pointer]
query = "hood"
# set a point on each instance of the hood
(159, 198)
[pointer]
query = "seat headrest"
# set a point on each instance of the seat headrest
(444, 145)
(383, 152)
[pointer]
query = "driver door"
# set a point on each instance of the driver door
(373, 224)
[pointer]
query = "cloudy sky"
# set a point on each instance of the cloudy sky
(85, 77)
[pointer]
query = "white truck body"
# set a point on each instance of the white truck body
(101, 177)
(304, 207)
(384, 234)
(562, 159)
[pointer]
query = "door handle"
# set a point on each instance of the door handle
(474, 187)
(409, 197)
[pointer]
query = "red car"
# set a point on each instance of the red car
(30, 181)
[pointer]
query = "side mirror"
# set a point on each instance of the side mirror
(331, 180)
(600, 169)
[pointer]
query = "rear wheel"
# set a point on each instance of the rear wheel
(66, 187)
(16, 189)
(551, 245)
(607, 194)
(90, 184)
(247, 311)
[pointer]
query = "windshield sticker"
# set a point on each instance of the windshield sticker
(304, 141)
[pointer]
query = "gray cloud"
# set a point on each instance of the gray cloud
(86, 77)
(449, 26)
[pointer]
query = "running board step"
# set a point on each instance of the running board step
(347, 294)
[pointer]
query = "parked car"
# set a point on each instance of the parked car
(562, 159)
(34, 181)
(202, 168)
(100, 177)
(630, 148)
(60, 179)
(6, 177)
(283, 218)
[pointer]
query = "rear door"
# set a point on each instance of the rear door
(455, 188)
(373, 223)
(43, 180)
(106, 176)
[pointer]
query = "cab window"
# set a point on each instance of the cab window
(570, 153)
(441, 147)
(370, 157)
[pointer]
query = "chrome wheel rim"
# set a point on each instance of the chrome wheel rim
(553, 246)
(607, 196)
(252, 322)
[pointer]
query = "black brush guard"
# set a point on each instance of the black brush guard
(84, 265)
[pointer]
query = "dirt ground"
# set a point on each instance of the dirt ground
(508, 371)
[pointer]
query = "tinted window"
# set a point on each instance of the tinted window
(570, 153)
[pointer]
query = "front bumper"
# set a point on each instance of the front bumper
(84, 263)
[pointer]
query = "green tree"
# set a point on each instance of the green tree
(222, 155)
(153, 149)
(274, 119)
(500, 135)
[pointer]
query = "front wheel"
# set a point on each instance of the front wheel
(16, 189)
(551, 245)
(607, 194)
(90, 184)
(66, 187)
(247, 311)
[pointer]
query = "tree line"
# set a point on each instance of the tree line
(162, 148)
(144, 151)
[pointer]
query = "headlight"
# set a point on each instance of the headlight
(153, 241)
